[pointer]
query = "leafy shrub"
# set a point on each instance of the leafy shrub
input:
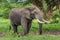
(6, 7)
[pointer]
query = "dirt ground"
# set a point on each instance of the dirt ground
(1, 34)
(53, 32)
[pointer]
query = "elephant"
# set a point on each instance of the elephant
(24, 17)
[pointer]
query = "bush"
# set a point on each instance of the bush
(6, 7)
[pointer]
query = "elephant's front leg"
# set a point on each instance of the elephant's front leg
(40, 28)
(24, 25)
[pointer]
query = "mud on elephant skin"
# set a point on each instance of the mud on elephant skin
(24, 17)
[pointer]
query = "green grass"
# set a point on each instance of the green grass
(4, 25)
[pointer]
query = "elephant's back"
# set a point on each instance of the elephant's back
(15, 16)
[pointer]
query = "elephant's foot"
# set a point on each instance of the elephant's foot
(23, 33)
(16, 33)
(40, 33)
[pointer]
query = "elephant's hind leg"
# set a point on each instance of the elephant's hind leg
(29, 26)
(15, 28)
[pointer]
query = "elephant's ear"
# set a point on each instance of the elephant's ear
(31, 8)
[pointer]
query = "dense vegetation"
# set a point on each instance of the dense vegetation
(33, 34)
(5, 8)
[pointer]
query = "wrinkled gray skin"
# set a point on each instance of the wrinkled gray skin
(24, 17)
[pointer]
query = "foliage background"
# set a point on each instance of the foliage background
(7, 5)
(5, 8)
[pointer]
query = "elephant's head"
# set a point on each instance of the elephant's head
(38, 14)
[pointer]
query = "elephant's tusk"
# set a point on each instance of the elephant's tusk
(46, 21)
(40, 21)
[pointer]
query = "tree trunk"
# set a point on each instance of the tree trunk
(37, 3)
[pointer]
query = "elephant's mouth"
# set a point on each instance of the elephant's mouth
(43, 21)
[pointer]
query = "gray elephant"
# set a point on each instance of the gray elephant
(24, 17)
